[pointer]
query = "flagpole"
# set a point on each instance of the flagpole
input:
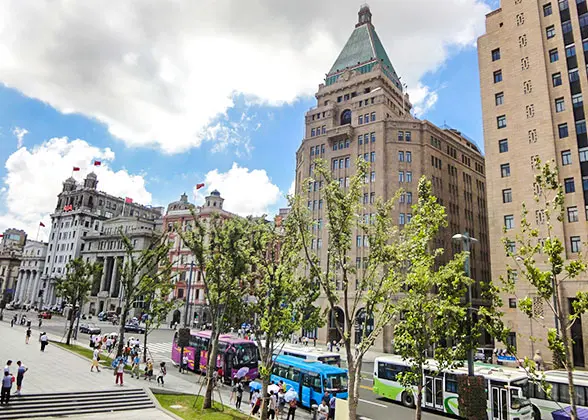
(38, 230)
(123, 210)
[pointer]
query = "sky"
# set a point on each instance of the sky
(168, 94)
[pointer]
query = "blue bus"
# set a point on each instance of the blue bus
(310, 379)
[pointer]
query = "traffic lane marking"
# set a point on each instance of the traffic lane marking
(369, 388)
(373, 403)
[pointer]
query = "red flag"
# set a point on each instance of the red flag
(129, 200)
(198, 186)
(97, 163)
(1, 235)
(76, 169)
(41, 224)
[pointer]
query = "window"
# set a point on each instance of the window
(553, 55)
(372, 156)
(400, 176)
(408, 176)
(563, 5)
(505, 170)
(547, 11)
(503, 146)
(401, 136)
(585, 184)
(572, 214)
(408, 135)
(373, 116)
(373, 176)
(511, 340)
(401, 219)
(496, 54)
(358, 239)
(569, 185)
(360, 119)
(581, 127)
(498, 76)
(507, 195)
(550, 31)
(408, 198)
(556, 79)
(575, 244)
(566, 27)
(499, 98)
(401, 156)
(570, 49)
(563, 130)
(360, 139)
(347, 161)
(451, 383)
(373, 137)
(560, 105)
(583, 153)
(409, 157)
(509, 222)
(512, 302)
(573, 75)
(566, 157)
(577, 100)
(501, 121)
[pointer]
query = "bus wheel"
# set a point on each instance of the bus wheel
(536, 413)
(407, 399)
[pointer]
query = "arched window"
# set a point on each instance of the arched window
(346, 117)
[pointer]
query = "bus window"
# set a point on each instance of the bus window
(313, 382)
(451, 383)
(246, 353)
(294, 374)
(564, 393)
(581, 394)
(389, 371)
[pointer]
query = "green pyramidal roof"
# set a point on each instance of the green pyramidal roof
(362, 51)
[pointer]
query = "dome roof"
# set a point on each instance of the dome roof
(92, 175)
(215, 192)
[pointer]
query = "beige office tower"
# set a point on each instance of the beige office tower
(361, 111)
(533, 72)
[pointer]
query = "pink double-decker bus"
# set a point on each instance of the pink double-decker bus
(236, 356)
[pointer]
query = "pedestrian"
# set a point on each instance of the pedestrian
(119, 372)
(40, 322)
(95, 360)
(292, 405)
(329, 346)
(282, 386)
(7, 367)
(234, 390)
(326, 397)
(273, 405)
(92, 341)
(44, 341)
(20, 376)
(136, 366)
(332, 405)
(28, 335)
(184, 364)
(323, 411)
(281, 403)
(239, 395)
(255, 403)
(6, 386)
(314, 341)
(162, 373)
(13, 320)
(149, 370)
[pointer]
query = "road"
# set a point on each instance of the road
(159, 345)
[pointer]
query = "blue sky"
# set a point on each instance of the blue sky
(156, 141)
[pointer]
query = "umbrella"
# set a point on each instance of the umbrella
(275, 388)
(242, 372)
(290, 395)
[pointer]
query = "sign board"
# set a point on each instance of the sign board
(506, 358)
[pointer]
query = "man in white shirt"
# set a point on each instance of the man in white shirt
(7, 367)
(95, 360)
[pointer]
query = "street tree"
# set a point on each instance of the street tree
(221, 255)
(365, 288)
(280, 298)
(144, 273)
(540, 258)
(75, 287)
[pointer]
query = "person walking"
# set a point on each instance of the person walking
(119, 372)
(149, 370)
(20, 376)
(292, 405)
(162, 373)
(332, 405)
(6, 386)
(28, 335)
(239, 395)
(96, 360)
(273, 405)
(135, 367)
(44, 340)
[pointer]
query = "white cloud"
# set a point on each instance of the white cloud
(35, 177)
(159, 73)
(246, 192)
(292, 188)
(423, 99)
(19, 133)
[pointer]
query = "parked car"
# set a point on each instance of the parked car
(90, 329)
(107, 316)
(132, 327)
(45, 315)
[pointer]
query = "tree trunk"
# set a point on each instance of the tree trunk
(145, 343)
(354, 381)
(71, 324)
(264, 402)
(121, 330)
(418, 412)
(211, 367)
(569, 367)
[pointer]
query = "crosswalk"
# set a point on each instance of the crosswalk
(160, 351)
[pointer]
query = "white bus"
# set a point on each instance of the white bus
(312, 354)
(544, 405)
(505, 388)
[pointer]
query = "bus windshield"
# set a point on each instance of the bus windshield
(246, 354)
(336, 382)
(519, 391)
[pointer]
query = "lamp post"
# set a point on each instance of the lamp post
(188, 296)
(466, 241)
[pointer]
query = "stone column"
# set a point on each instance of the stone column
(23, 285)
(103, 279)
(114, 278)
(26, 290)
(33, 296)
(18, 283)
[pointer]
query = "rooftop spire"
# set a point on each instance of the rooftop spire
(365, 15)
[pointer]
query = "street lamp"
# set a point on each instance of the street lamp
(188, 296)
(466, 241)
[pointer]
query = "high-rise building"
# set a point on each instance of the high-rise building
(533, 74)
(363, 112)
(81, 209)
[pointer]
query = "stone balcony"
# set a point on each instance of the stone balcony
(341, 132)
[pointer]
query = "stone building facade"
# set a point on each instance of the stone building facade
(81, 209)
(362, 111)
(29, 283)
(533, 74)
(179, 214)
(11, 247)
(106, 248)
